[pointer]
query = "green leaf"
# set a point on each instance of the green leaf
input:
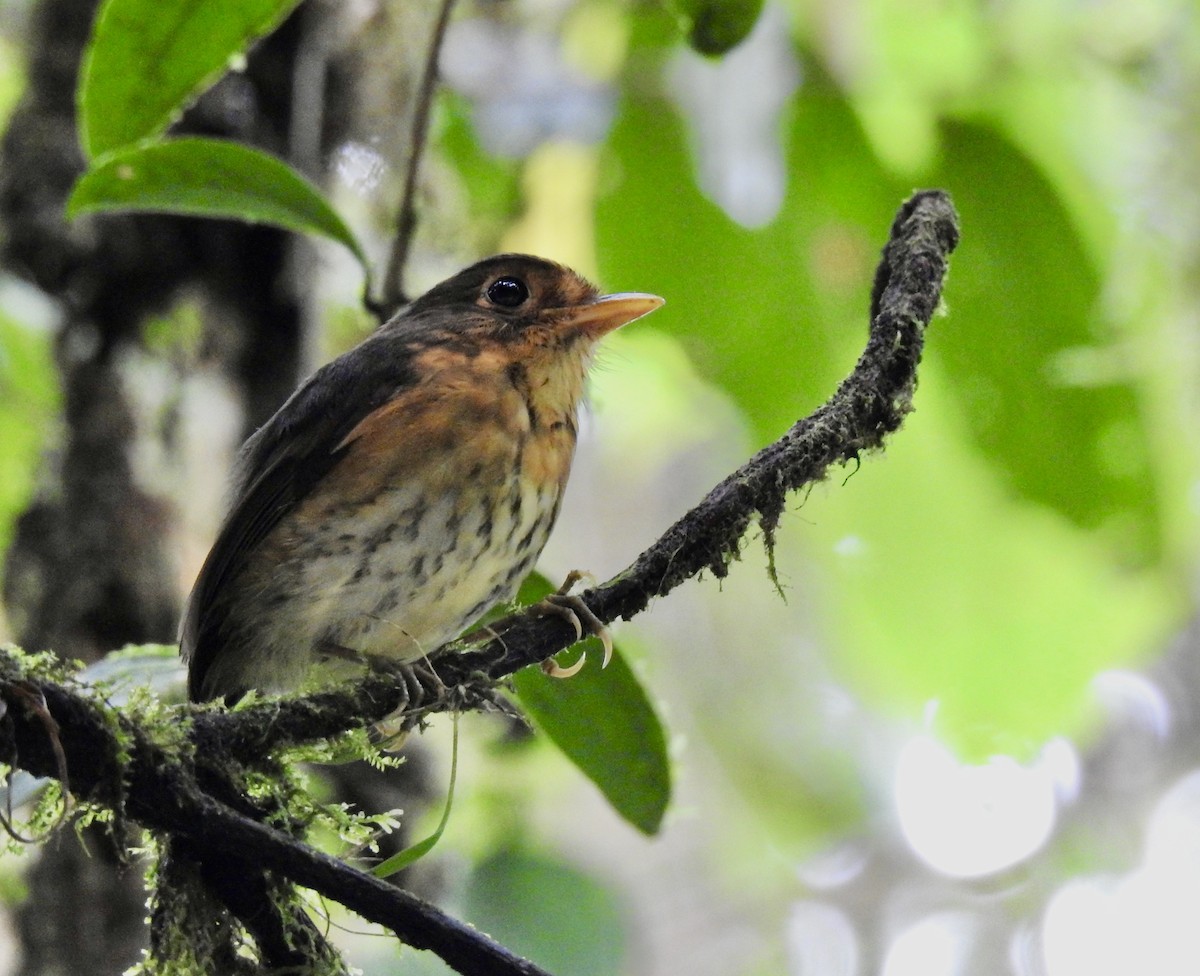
(148, 59)
(549, 912)
(602, 719)
(1048, 391)
(414, 852)
(209, 178)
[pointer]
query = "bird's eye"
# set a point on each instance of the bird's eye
(507, 292)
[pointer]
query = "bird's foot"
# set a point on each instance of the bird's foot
(417, 683)
(571, 608)
(423, 692)
(420, 685)
(420, 690)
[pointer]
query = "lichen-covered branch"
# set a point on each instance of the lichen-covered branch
(113, 762)
(177, 792)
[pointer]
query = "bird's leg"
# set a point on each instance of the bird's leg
(571, 608)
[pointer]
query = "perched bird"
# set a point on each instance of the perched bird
(407, 486)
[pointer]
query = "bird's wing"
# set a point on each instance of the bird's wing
(277, 468)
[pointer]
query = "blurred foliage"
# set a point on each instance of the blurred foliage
(544, 909)
(1032, 525)
(28, 407)
(493, 184)
(12, 79)
(1022, 549)
(715, 27)
(547, 911)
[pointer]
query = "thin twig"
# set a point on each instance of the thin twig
(392, 295)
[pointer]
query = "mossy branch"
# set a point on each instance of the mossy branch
(117, 764)
(50, 724)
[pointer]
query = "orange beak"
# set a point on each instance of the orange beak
(607, 313)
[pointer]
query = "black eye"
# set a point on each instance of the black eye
(507, 292)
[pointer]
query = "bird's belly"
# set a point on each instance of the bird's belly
(402, 574)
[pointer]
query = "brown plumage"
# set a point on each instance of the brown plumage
(407, 486)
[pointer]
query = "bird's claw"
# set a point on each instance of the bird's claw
(553, 669)
(420, 692)
(571, 608)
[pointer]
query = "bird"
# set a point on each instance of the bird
(406, 487)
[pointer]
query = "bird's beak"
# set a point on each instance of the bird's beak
(608, 312)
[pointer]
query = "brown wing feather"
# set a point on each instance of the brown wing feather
(278, 467)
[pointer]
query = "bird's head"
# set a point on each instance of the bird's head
(524, 299)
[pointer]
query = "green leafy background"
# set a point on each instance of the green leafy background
(1028, 529)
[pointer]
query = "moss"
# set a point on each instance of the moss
(190, 932)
